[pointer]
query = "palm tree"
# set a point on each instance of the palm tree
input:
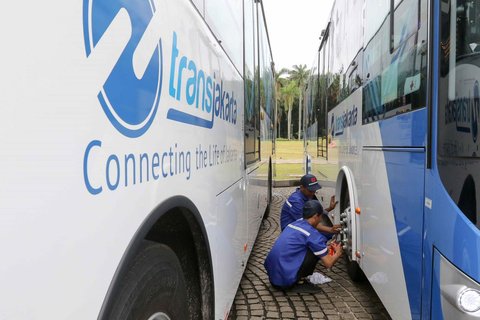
(289, 93)
(279, 83)
(299, 74)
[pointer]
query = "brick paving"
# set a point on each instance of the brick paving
(339, 299)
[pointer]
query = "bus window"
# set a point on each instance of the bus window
(250, 82)
(405, 20)
(459, 104)
(225, 19)
(395, 77)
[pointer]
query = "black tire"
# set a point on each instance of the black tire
(153, 284)
(353, 269)
(354, 272)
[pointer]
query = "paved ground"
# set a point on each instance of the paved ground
(339, 299)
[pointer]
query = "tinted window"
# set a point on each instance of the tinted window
(459, 104)
(251, 84)
(395, 77)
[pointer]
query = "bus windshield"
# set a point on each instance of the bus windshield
(459, 103)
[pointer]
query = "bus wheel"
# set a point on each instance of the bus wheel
(153, 287)
(353, 269)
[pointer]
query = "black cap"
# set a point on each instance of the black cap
(310, 182)
(311, 208)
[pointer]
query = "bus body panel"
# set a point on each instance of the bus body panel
(74, 188)
(389, 182)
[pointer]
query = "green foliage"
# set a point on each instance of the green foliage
(299, 74)
(288, 93)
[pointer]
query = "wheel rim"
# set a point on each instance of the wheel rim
(159, 316)
(346, 232)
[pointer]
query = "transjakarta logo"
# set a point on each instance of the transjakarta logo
(204, 94)
(130, 93)
(347, 119)
(464, 112)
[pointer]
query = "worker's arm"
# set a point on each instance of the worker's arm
(329, 260)
(333, 204)
(333, 229)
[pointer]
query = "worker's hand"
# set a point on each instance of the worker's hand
(337, 248)
(333, 204)
(335, 228)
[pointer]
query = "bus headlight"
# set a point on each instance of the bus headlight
(459, 294)
(468, 300)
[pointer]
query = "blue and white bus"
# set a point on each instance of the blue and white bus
(135, 152)
(394, 95)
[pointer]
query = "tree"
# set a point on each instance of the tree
(289, 93)
(299, 74)
(279, 83)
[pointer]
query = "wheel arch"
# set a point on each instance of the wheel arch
(177, 223)
(345, 185)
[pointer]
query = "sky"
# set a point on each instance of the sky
(294, 27)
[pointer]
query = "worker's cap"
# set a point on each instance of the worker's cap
(311, 208)
(310, 182)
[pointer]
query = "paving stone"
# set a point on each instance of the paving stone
(274, 315)
(257, 313)
(285, 309)
(330, 311)
(317, 315)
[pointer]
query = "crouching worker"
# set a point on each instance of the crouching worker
(298, 249)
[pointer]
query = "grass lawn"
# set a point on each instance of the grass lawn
(289, 171)
(290, 162)
(326, 171)
(289, 150)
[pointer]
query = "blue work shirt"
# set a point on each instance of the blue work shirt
(288, 252)
(292, 209)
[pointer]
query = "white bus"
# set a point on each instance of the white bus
(394, 94)
(136, 148)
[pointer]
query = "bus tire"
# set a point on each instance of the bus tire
(354, 271)
(153, 287)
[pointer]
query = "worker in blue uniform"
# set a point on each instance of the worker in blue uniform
(293, 206)
(297, 250)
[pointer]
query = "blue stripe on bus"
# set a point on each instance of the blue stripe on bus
(406, 130)
(180, 116)
(405, 171)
